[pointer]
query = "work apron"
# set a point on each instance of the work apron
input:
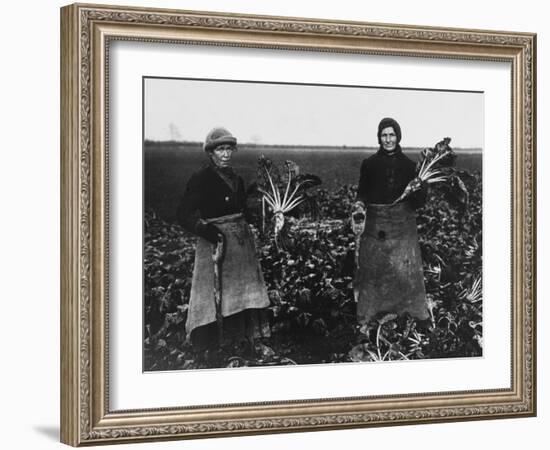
(242, 282)
(389, 276)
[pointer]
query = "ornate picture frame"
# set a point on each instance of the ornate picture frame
(87, 33)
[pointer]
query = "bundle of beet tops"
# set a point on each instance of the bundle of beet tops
(436, 166)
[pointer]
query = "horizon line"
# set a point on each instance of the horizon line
(252, 144)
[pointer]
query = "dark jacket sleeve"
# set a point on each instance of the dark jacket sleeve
(247, 206)
(189, 215)
(362, 188)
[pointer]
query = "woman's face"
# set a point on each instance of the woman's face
(221, 155)
(388, 138)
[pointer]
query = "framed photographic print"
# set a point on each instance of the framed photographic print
(276, 224)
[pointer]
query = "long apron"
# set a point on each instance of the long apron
(242, 282)
(389, 276)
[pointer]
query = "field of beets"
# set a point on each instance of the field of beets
(312, 310)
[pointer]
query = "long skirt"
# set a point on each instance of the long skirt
(243, 292)
(240, 330)
(389, 276)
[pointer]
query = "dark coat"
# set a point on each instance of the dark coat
(210, 192)
(383, 178)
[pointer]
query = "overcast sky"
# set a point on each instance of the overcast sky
(308, 115)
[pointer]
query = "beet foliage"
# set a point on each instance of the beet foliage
(310, 289)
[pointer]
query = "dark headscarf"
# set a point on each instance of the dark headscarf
(389, 122)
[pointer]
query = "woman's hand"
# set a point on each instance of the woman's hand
(415, 185)
(358, 214)
(208, 231)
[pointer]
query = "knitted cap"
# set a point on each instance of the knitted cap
(389, 122)
(218, 136)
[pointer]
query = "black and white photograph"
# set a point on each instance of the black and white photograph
(266, 225)
(288, 224)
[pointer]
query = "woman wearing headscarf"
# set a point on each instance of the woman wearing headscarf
(228, 293)
(389, 277)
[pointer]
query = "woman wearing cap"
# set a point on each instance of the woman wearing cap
(228, 292)
(389, 276)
